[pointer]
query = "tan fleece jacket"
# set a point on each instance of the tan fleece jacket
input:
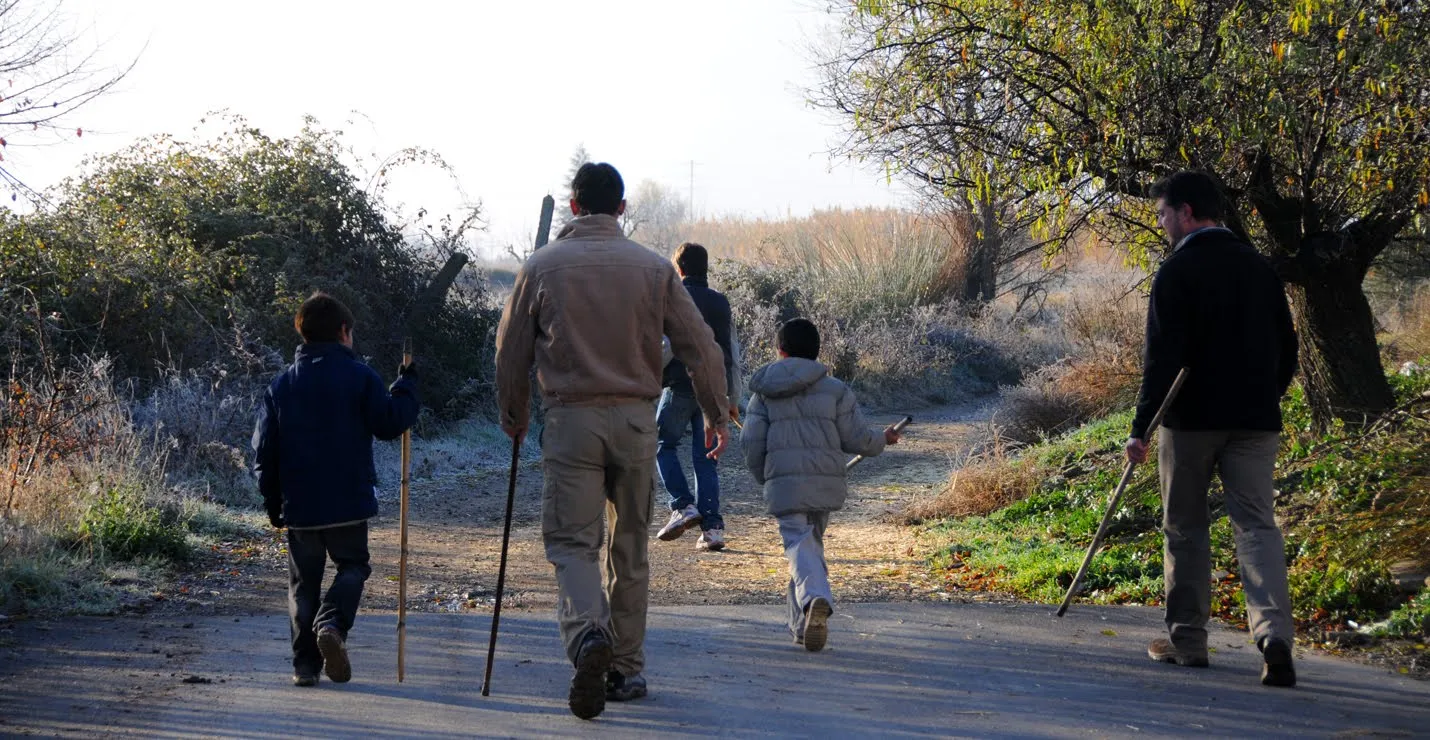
(589, 309)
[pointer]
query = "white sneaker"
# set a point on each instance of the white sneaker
(711, 539)
(679, 522)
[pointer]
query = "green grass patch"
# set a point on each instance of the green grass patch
(123, 525)
(1352, 503)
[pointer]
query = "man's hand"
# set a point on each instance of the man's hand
(734, 412)
(514, 432)
(716, 440)
(1136, 451)
(891, 435)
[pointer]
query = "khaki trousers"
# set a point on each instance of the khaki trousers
(594, 458)
(1245, 461)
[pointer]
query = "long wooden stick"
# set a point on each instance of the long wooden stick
(1117, 494)
(899, 427)
(501, 569)
(402, 527)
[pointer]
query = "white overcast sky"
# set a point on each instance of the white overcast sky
(504, 90)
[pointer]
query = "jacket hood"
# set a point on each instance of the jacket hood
(788, 377)
(314, 351)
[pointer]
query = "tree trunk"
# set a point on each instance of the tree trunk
(1340, 362)
(980, 278)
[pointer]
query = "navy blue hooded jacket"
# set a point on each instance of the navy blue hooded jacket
(313, 439)
(715, 308)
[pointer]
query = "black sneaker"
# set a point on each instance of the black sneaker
(1162, 650)
(620, 687)
(1278, 670)
(335, 654)
(587, 696)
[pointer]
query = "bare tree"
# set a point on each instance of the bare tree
(656, 213)
(45, 76)
(563, 194)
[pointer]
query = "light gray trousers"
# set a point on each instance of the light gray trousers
(803, 536)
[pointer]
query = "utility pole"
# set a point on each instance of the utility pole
(692, 190)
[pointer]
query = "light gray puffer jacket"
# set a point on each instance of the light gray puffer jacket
(800, 429)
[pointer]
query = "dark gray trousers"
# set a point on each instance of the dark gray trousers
(308, 607)
(1245, 461)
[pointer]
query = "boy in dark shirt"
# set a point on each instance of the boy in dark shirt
(313, 445)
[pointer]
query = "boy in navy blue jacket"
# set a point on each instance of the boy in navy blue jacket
(313, 445)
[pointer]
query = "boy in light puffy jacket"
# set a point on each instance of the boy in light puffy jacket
(800, 428)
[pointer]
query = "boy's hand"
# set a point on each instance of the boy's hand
(408, 370)
(891, 435)
(276, 520)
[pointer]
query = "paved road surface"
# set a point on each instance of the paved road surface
(960, 670)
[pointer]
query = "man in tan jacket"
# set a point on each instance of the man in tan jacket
(589, 310)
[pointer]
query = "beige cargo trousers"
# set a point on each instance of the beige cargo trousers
(598, 460)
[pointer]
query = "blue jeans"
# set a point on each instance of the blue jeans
(678, 413)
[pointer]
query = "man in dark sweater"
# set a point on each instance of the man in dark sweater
(313, 445)
(678, 413)
(1218, 309)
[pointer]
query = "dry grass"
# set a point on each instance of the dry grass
(1101, 314)
(989, 481)
(1408, 327)
(865, 262)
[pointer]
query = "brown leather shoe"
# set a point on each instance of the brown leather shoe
(1162, 650)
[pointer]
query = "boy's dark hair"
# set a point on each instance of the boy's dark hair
(799, 338)
(598, 188)
(692, 259)
(321, 318)
(1193, 188)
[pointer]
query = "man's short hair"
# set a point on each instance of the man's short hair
(799, 338)
(598, 188)
(1193, 188)
(321, 318)
(692, 259)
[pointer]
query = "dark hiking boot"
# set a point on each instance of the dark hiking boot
(305, 679)
(1278, 670)
(335, 654)
(587, 697)
(624, 688)
(816, 624)
(1162, 649)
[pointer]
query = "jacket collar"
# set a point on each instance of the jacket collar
(594, 226)
(312, 351)
(696, 282)
(1198, 232)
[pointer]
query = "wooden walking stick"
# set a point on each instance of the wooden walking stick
(402, 527)
(501, 569)
(1117, 494)
(899, 427)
